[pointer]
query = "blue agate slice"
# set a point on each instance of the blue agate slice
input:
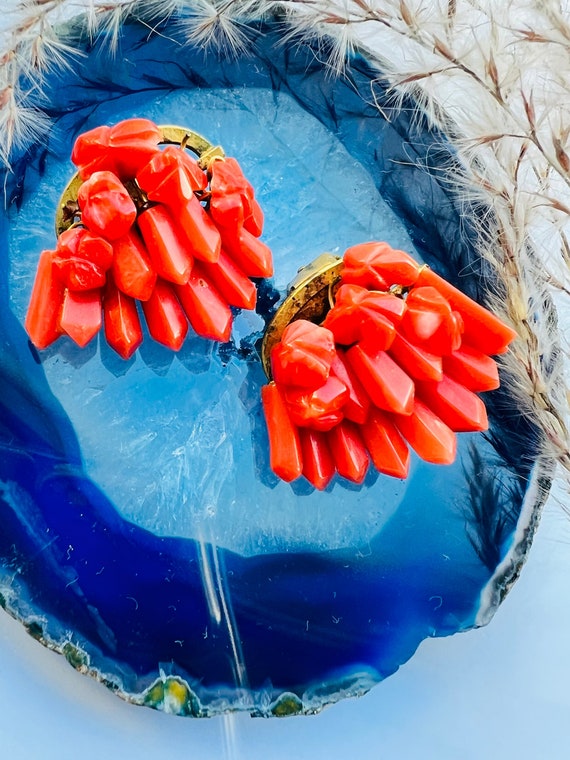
(143, 533)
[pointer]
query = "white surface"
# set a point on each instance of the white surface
(498, 692)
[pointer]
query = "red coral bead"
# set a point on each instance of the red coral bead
(285, 454)
(357, 405)
(165, 244)
(132, 269)
(91, 151)
(378, 266)
(42, 318)
(348, 451)
(133, 142)
(320, 409)
(122, 324)
(122, 149)
(198, 231)
(251, 255)
(318, 464)
(419, 363)
(171, 176)
(164, 316)
(81, 317)
(232, 283)
(483, 331)
(387, 448)
(459, 408)
(355, 322)
(427, 434)
(228, 180)
(426, 311)
(82, 259)
(304, 355)
(106, 207)
(385, 382)
(473, 369)
(208, 312)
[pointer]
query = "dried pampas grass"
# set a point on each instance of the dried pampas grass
(494, 77)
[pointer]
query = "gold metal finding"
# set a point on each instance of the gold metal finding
(308, 297)
(66, 212)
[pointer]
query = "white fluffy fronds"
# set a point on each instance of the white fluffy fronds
(331, 27)
(110, 20)
(158, 10)
(20, 124)
(32, 44)
(46, 52)
(219, 24)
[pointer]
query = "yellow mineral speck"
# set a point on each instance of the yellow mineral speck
(177, 690)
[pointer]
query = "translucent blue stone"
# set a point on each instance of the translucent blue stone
(143, 533)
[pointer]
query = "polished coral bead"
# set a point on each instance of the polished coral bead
(165, 244)
(357, 404)
(389, 305)
(348, 451)
(471, 368)
(198, 177)
(122, 149)
(198, 231)
(91, 151)
(385, 382)
(228, 180)
(483, 331)
(106, 207)
(426, 311)
(459, 408)
(80, 317)
(320, 409)
(208, 312)
(448, 337)
(350, 323)
(285, 455)
(251, 255)
(132, 143)
(318, 464)
(227, 213)
(427, 434)
(42, 318)
(164, 180)
(171, 176)
(378, 266)
(418, 363)
(232, 283)
(304, 355)
(121, 320)
(387, 448)
(82, 259)
(132, 268)
(253, 221)
(165, 317)
(228, 209)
